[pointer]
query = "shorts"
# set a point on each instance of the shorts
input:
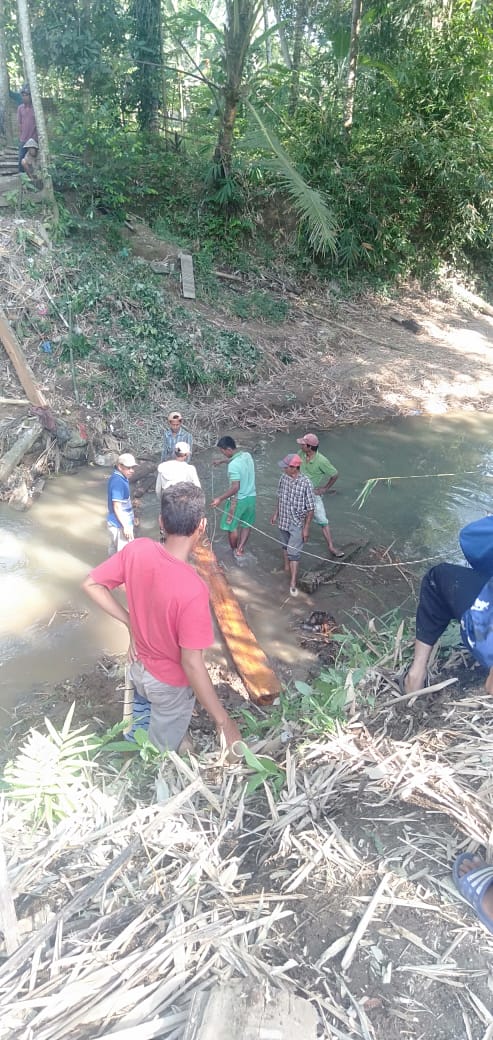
(116, 541)
(292, 542)
(171, 707)
(244, 514)
(319, 514)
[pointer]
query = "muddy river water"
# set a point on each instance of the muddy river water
(48, 631)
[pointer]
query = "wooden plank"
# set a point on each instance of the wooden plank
(245, 1010)
(187, 277)
(259, 679)
(16, 355)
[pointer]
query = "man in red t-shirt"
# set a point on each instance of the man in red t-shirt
(168, 619)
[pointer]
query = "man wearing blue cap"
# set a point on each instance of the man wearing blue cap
(293, 515)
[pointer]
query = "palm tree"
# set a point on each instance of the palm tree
(241, 16)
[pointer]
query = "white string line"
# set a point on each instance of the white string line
(341, 563)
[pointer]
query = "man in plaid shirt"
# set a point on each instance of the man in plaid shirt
(293, 515)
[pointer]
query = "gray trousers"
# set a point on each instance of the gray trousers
(171, 707)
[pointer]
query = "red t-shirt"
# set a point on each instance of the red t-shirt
(168, 605)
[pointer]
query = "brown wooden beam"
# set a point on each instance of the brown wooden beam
(16, 355)
(260, 681)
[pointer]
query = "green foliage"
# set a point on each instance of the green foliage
(263, 305)
(78, 344)
(146, 46)
(79, 40)
(317, 705)
(265, 771)
(310, 205)
(412, 186)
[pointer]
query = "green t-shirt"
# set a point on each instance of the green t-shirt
(318, 469)
(241, 468)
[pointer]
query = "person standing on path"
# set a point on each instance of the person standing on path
(293, 514)
(168, 620)
(323, 475)
(240, 498)
(175, 434)
(26, 122)
(120, 519)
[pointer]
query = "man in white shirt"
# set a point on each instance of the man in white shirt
(177, 470)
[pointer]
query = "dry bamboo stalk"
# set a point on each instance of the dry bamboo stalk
(363, 925)
(418, 693)
(90, 890)
(8, 918)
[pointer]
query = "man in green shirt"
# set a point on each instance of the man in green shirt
(240, 497)
(323, 475)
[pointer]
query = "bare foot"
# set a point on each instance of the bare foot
(414, 681)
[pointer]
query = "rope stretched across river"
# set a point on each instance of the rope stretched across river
(340, 562)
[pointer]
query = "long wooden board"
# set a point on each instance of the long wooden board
(260, 681)
(187, 276)
(16, 355)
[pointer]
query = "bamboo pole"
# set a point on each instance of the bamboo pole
(260, 681)
(128, 701)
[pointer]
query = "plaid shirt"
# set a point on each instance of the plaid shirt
(171, 440)
(295, 499)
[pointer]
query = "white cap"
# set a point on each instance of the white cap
(126, 460)
(182, 448)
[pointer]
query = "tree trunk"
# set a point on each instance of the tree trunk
(147, 53)
(268, 47)
(27, 51)
(5, 128)
(241, 16)
(283, 43)
(299, 29)
(352, 65)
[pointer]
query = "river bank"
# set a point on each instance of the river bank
(113, 345)
(383, 804)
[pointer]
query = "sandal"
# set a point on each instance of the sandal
(473, 885)
(401, 682)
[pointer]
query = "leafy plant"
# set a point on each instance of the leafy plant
(52, 772)
(76, 345)
(265, 771)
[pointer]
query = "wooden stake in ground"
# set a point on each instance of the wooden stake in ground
(128, 701)
(260, 681)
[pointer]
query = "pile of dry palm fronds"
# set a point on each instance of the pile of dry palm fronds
(126, 910)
